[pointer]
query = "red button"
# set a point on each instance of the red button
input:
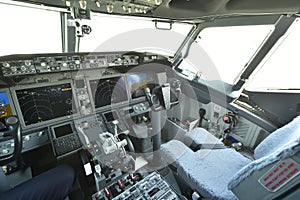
(226, 119)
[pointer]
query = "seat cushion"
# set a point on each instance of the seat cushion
(206, 171)
(200, 138)
(174, 152)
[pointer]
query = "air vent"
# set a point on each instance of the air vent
(241, 129)
(42, 80)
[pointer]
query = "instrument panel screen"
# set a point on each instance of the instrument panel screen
(138, 82)
(63, 130)
(45, 103)
(5, 109)
(108, 91)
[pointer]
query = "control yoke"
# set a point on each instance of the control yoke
(161, 97)
(159, 100)
(13, 130)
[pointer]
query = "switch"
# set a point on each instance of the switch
(40, 134)
(132, 177)
(27, 137)
(121, 185)
(107, 192)
(5, 151)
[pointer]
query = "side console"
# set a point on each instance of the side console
(151, 187)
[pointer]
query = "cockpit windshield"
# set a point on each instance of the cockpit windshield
(108, 33)
(112, 33)
(29, 30)
(280, 68)
(228, 48)
(149, 99)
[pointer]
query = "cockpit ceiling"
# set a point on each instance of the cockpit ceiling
(190, 10)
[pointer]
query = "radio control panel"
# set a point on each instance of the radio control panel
(151, 187)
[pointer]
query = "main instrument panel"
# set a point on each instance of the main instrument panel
(49, 91)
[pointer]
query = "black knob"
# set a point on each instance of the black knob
(202, 112)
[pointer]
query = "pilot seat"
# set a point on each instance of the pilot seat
(223, 173)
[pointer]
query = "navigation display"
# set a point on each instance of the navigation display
(108, 91)
(45, 103)
(5, 109)
(138, 82)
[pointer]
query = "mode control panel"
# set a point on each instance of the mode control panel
(152, 187)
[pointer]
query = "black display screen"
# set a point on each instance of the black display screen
(45, 103)
(138, 82)
(111, 116)
(108, 91)
(63, 130)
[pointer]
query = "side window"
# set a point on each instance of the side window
(28, 30)
(228, 48)
(280, 69)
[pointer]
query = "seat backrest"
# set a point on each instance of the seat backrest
(277, 163)
(278, 139)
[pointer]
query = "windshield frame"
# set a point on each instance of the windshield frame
(229, 89)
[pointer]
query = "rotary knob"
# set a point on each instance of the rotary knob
(13, 69)
(6, 65)
(23, 68)
(43, 64)
(27, 63)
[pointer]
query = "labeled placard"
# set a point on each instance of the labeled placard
(280, 174)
